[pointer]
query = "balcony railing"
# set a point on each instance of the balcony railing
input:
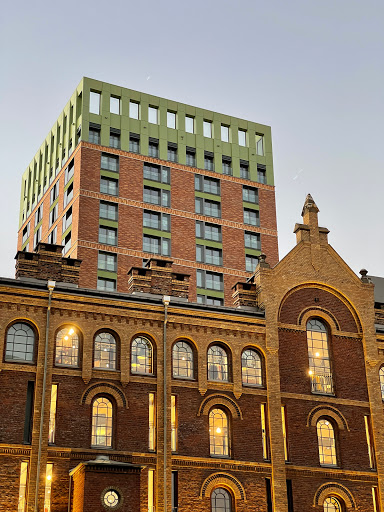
(322, 383)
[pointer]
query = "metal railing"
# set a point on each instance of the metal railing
(322, 383)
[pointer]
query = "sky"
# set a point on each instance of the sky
(312, 70)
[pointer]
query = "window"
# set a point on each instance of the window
(52, 237)
(68, 195)
(157, 245)
(261, 174)
(134, 143)
(224, 133)
(227, 165)
(217, 364)
(209, 255)
(209, 280)
(252, 240)
(182, 360)
(105, 351)
(220, 500)
(107, 235)
(156, 220)
(67, 242)
(141, 356)
(207, 207)
(332, 504)
(242, 137)
(155, 172)
(67, 347)
(69, 171)
(189, 124)
(39, 215)
(368, 435)
(284, 427)
(108, 210)
(251, 262)
(381, 375)
(208, 231)
(111, 498)
(264, 431)
(319, 360)
(172, 152)
(152, 422)
(208, 161)
(54, 192)
(250, 195)
(23, 487)
(153, 148)
(171, 119)
(173, 423)
(94, 102)
(67, 219)
(102, 412)
(327, 443)
(94, 133)
(260, 144)
(190, 156)
(134, 109)
(244, 170)
(110, 162)
(209, 301)
(207, 129)
(109, 186)
(25, 233)
(114, 138)
(251, 370)
(48, 487)
(151, 490)
(251, 217)
(218, 433)
(206, 184)
(157, 196)
(107, 261)
(153, 115)
(106, 285)
(52, 415)
(114, 105)
(20, 344)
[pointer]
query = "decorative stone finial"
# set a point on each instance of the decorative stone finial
(310, 205)
(363, 272)
(262, 260)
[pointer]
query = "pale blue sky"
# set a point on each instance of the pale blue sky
(312, 70)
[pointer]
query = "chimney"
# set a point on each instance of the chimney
(157, 278)
(47, 263)
(244, 295)
(310, 230)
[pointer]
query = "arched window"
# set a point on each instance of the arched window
(251, 369)
(332, 504)
(67, 347)
(182, 360)
(319, 360)
(220, 500)
(141, 356)
(381, 374)
(20, 344)
(217, 363)
(218, 433)
(327, 443)
(105, 351)
(102, 412)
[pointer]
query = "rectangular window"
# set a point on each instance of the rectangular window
(107, 261)
(68, 195)
(37, 237)
(114, 105)
(25, 233)
(207, 184)
(284, 424)
(152, 423)
(52, 237)
(114, 138)
(244, 169)
(268, 491)
(48, 487)
(153, 115)
(207, 129)
(110, 162)
(22, 505)
(153, 148)
(190, 156)
(208, 161)
(39, 215)
(171, 119)
(251, 262)
(252, 240)
(209, 255)
(251, 217)
(260, 144)
(250, 195)
(157, 220)
(189, 124)
(157, 245)
(107, 235)
(67, 242)
(94, 102)
(209, 280)
(53, 214)
(264, 431)
(175, 491)
(224, 133)
(369, 441)
(242, 137)
(55, 192)
(94, 133)
(157, 196)
(134, 110)
(208, 231)
(207, 207)
(109, 186)
(375, 499)
(151, 490)
(52, 415)
(209, 301)
(67, 219)
(261, 174)
(172, 152)
(173, 423)
(227, 165)
(134, 143)
(108, 210)
(28, 422)
(158, 173)
(290, 496)
(106, 285)
(69, 171)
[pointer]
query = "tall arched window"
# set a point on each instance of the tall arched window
(217, 363)
(319, 359)
(218, 433)
(141, 356)
(251, 369)
(182, 360)
(102, 413)
(332, 504)
(381, 374)
(20, 344)
(220, 500)
(105, 351)
(327, 443)
(67, 347)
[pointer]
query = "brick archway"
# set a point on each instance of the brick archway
(222, 480)
(104, 388)
(337, 490)
(217, 399)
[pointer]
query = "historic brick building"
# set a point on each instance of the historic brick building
(273, 404)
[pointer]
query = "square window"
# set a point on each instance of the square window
(134, 110)
(156, 245)
(252, 240)
(157, 196)
(106, 285)
(208, 231)
(207, 184)
(94, 102)
(207, 129)
(171, 119)
(251, 217)
(156, 220)
(242, 137)
(108, 211)
(107, 235)
(155, 172)
(114, 105)
(207, 207)
(153, 115)
(224, 133)
(110, 162)
(107, 261)
(189, 124)
(251, 262)
(209, 255)
(250, 195)
(109, 186)
(209, 301)
(209, 280)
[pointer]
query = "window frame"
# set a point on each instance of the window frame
(78, 364)
(261, 375)
(192, 361)
(110, 399)
(117, 351)
(211, 362)
(152, 362)
(35, 343)
(227, 435)
(316, 378)
(213, 507)
(336, 454)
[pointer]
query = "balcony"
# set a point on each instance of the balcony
(322, 383)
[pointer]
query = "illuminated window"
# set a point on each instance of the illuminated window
(20, 345)
(67, 347)
(141, 356)
(173, 423)
(152, 422)
(217, 363)
(182, 360)
(371, 453)
(327, 443)
(220, 500)
(284, 424)
(102, 423)
(23, 487)
(332, 504)
(151, 490)
(218, 433)
(251, 369)
(48, 487)
(381, 373)
(264, 431)
(105, 351)
(52, 415)
(319, 360)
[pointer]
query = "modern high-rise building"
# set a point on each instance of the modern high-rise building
(124, 175)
